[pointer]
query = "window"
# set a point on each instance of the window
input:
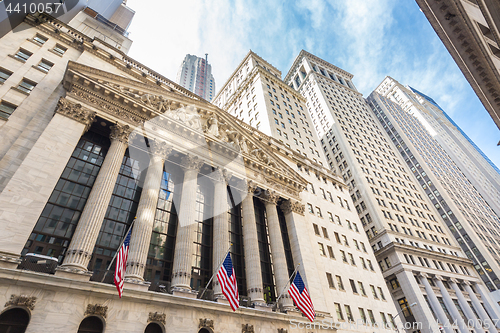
(59, 49)
(14, 320)
(344, 258)
(381, 293)
(374, 292)
(325, 232)
(330, 217)
(384, 320)
(370, 265)
(339, 282)
(4, 75)
(351, 259)
(318, 212)
(362, 315)
(310, 208)
(316, 229)
(45, 65)
(26, 86)
(322, 249)
(330, 252)
(348, 313)
(394, 284)
(330, 280)
(40, 39)
(338, 309)
(337, 237)
(372, 318)
(6, 109)
(361, 288)
(22, 55)
(353, 286)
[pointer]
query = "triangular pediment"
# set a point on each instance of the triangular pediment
(162, 107)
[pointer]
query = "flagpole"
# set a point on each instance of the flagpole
(116, 253)
(295, 271)
(215, 272)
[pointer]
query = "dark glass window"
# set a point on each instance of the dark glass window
(202, 257)
(162, 246)
(236, 238)
(91, 325)
(56, 224)
(265, 258)
(286, 242)
(153, 328)
(121, 212)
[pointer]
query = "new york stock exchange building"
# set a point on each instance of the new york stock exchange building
(93, 142)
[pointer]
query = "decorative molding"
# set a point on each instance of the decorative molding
(206, 323)
(96, 309)
(158, 317)
(251, 187)
(22, 300)
(191, 162)
(160, 148)
(290, 206)
(76, 112)
(120, 133)
(271, 196)
(247, 328)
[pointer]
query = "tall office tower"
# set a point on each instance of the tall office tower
(256, 94)
(195, 74)
(424, 267)
(462, 185)
(470, 30)
(347, 285)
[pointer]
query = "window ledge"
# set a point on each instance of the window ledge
(56, 53)
(20, 91)
(38, 69)
(15, 58)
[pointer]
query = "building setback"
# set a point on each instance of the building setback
(195, 74)
(418, 256)
(463, 185)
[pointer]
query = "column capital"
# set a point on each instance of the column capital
(191, 162)
(467, 283)
(424, 275)
(120, 132)
(220, 175)
(76, 112)
(251, 187)
(289, 206)
(439, 278)
(453, 280)
(160, 148)
(271, 196)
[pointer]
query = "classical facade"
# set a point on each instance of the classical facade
(95, 143)
(470, 30)
(462, 185)
(429, 277)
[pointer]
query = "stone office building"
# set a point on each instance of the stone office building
(93, 140)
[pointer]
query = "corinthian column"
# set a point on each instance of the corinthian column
(471, 318)
(186, 230)
(87, 230)
(251, 248)
(277, 248)
(479, 308)
(221, 223)
(141, 232)
(436, 306)
(451, 306)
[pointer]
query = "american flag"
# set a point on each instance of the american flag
(227, 281)
(300, 296)
(121, 263)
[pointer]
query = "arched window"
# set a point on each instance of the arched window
(91, 325)
(14, 320)
(153, 328)
(204, 330)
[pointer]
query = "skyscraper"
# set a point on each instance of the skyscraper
(417, 253)
(462, 184)
(195, 74)
(256, 94)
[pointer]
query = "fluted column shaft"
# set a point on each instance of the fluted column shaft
(479, 309)
(221, 225)
(186, 230)
(466, 308)
(251, 248)
(277, 249)
(141, 232)
(89, 225)
(438, 310)
(452, 307)
(488, 303)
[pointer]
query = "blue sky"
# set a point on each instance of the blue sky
(369, 38)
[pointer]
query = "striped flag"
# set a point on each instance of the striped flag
(300, 296)
(227, 281)
(121, 263)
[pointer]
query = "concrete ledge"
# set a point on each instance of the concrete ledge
(73, 274)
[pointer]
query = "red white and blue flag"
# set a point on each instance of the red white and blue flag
(227, 281)
(121, 264)
(300, 296)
